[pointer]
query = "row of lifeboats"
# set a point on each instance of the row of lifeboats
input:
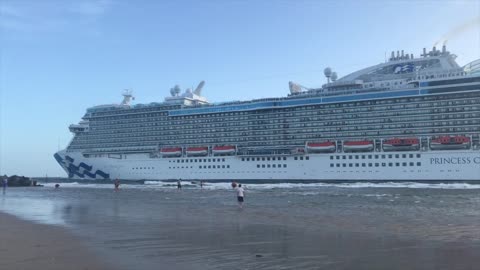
(198, 151)
(394, 144)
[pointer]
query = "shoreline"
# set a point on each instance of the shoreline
(28, 245)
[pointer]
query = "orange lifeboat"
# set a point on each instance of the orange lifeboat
(321, 147)
(171, 151)
(358, 146)
(224, 150)
(450, 143)
(401, 144)
(197, 151)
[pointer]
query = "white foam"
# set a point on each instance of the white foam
(269, 186)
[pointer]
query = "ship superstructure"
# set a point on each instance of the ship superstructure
(405, 119)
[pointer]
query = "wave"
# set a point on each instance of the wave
(267, 186)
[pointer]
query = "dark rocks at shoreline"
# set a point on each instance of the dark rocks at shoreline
(18, 181)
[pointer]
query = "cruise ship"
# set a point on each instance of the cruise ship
(409, 118)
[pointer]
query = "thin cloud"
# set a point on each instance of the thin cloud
(91, 7)
(50, 15)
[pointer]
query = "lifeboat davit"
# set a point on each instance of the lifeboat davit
(171, 151)
(197, 151)
(358, 146)
(450, 143)
(401, 144)
(224, 150)
(322, 147)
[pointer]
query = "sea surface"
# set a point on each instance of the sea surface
(391, 225)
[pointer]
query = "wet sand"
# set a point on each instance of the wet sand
(27, 245)
(142, 227)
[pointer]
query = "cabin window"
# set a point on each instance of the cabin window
(404, 164)
(307, 158)
(331, 165)
(419, 164)
(412, 164)
(296, 158)
(418, 155)
(285, 158)
(284, 165)
(258, 165)
(263, 165)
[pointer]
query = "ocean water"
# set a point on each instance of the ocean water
(390, 225)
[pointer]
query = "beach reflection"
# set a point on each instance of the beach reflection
(307, 226)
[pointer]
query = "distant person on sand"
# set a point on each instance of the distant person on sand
(201, 184)
(179, 184)
(240, 195)
(4, 184)
(117, 184)
(57, 186)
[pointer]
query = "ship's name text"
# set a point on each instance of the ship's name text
(455, 160)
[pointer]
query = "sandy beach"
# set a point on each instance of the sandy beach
(27, 245)
(357, 226)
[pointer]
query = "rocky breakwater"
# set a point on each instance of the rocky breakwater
(17, 181)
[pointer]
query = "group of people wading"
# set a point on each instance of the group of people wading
(239, 191)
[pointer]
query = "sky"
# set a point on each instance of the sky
(57, 58)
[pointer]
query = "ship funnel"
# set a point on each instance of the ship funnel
(444, 49)
(424, 52)
(198, 90)
(403, 56)
(393, 56)
(398, 54)
(411, 56)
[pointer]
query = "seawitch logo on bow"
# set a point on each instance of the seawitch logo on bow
(455, 160)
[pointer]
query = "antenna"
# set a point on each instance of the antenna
(127, 97)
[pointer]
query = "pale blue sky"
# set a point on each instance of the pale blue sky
(58, 58)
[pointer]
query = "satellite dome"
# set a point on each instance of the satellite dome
(328, 72)
(334, 76)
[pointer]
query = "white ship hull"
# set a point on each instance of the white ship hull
(412, 165)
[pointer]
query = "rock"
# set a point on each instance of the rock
(18, 181)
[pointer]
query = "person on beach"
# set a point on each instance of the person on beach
(117, 184)
(240, 195)
(201, 184)
(179, 184)
(4, 184)
(57, 186)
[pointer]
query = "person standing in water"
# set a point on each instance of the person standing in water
(179, 184)
(117, 184)
(4, 184)
(240, 195)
